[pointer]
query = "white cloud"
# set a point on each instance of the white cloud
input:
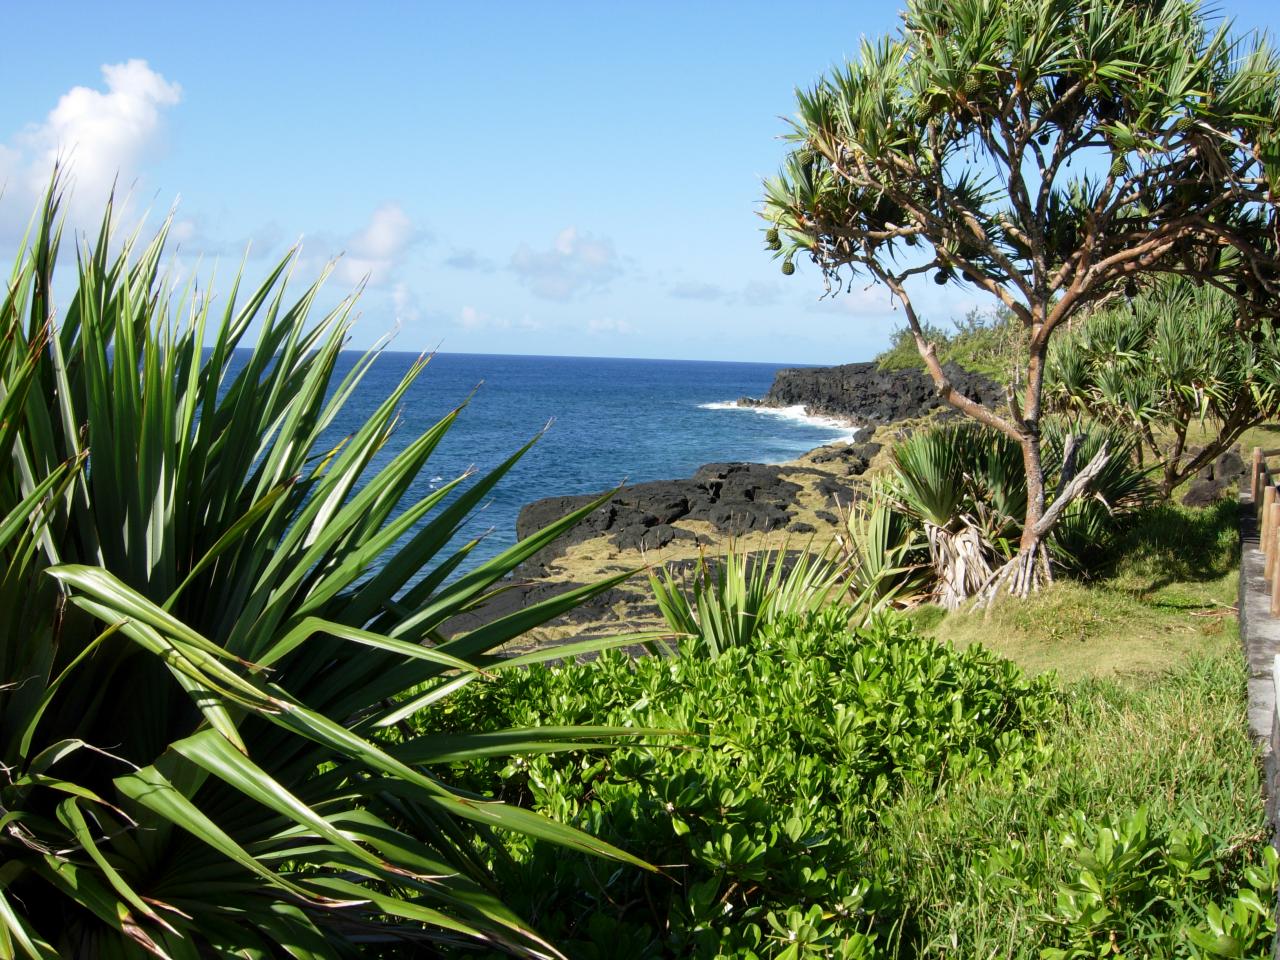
(575, 262)
(473, 319)
(193, 235)
(607, 325)
(405, 304)
(103, 134)
(758, 293)
(468, 260)
(377, 249)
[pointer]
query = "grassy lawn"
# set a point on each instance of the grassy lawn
(1152, 731)
(1166, 759)
(1169, 596)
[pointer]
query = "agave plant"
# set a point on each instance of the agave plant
(882, 548)
(213, 625)
(732, 596)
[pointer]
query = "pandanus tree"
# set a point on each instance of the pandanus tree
(1172, 359)
(1050, 154)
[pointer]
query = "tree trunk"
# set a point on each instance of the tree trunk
(1030, 569)
(1026, 577)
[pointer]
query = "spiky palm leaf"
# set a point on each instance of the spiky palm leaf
(939, 479)
(883, 551)
(213, 624)
(1088, 526)
(966, 486)
(1176, 357)
(730, 597)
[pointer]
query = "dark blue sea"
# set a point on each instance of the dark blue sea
(611, 421)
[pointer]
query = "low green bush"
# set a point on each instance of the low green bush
(869, 793)
(759, 817)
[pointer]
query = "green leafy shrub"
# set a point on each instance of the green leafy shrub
(760, 824)
(210, 623)
(1131, 880)
(984, 341)
(868, 794)
(1176, 357)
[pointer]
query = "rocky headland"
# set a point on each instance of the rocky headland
(754, 505)
(865, 394)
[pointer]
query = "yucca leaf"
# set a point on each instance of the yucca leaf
(16, 933)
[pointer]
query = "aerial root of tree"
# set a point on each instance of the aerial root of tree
(1027, 572)
(1022, 576)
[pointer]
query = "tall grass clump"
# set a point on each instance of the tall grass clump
(213, 624)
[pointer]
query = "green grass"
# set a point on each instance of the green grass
(1152, 738)
(981, 860)
(1168, 596)
(1152, 719)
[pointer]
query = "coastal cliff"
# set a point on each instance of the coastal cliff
(865, 394)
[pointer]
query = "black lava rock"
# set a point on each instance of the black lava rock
(864, 393)
(734, 497)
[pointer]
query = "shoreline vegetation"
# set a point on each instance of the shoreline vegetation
(356, 762)
(812, 494)
(759, 507)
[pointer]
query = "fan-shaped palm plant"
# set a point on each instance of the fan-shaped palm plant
(961, 483)
(213, 624)
(965, 485)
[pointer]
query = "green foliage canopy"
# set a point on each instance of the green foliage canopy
(1175, 357)
(1047, 153)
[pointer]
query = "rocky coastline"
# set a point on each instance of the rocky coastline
(865, 394)
(757, 506)
(754, 506)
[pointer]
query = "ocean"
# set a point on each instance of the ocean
(611, 421)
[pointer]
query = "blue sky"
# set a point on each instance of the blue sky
(549, 178)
